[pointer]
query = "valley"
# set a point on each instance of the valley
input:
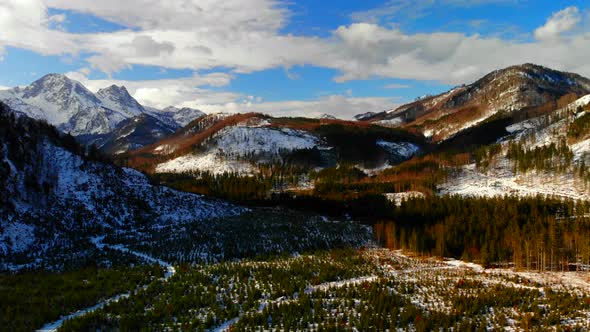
(174, 219)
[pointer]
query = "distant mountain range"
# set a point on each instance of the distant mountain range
(106, 118)
(524, 130)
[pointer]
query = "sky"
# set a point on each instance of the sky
(286, 58)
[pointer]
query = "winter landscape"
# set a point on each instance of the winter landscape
(269, 165)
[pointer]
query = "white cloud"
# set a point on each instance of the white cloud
(4, 88)
(167, 92)
(399, 10)
(183, 15)
(342, 106)
(246, 35)
(26, 24)
(397, 86)
(194, 92)
(560, 22)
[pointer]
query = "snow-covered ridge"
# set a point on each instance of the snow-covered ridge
(68, 105)
(501, 179)
(229, 146)
(402, 149)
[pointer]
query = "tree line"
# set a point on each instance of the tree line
(530, 233)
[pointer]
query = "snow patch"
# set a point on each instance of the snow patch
(402, 149)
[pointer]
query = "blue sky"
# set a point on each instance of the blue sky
(286, 58)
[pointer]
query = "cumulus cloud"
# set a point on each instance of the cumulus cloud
(162, 93)
(342, 106)
(249, 15)
(197, 92)
(560, 22)
(147, 46)
(26, 24)
(244, 36)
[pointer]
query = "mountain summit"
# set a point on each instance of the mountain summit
(70, 106)
(507, 90)
(117, 97)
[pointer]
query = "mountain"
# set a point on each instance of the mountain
(543, 155)
(112, 119)
(69, 106)
(240, 143)
(134, 133)
(117, 97)
(511, 90)
(326, 116)
(52, 195)
(174, 116)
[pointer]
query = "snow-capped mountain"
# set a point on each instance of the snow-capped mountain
(106, 118)
(134, 133)
(68, 105)
(366, 116)
(326, 116)
(49, 189)
(117, 97)
(506, 91)
(174, 116)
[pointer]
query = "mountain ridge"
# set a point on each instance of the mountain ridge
(504, 90)
(72, 108)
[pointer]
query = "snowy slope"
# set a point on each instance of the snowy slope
(48, 191)
(229, 147)
(174, 116)
(118, 98)
(404, 150)
(507, 90)
(501, 179)
(68, 105)
(134, 133)
(71, 107)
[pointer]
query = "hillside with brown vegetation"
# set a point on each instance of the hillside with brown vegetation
(511, 91)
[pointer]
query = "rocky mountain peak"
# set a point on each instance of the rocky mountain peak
(57, 88)
(117, 97)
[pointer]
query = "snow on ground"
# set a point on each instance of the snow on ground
(106, 196)
(97, 241)
(433, 279)
(519, 127)
(500, 180)
(231, 144)
(243, 140)
(209, 162)
(581, 150)
(391, 123)
(402, 149)
(581, 102)
(398, 198)
(340, 284)
(17, 237)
